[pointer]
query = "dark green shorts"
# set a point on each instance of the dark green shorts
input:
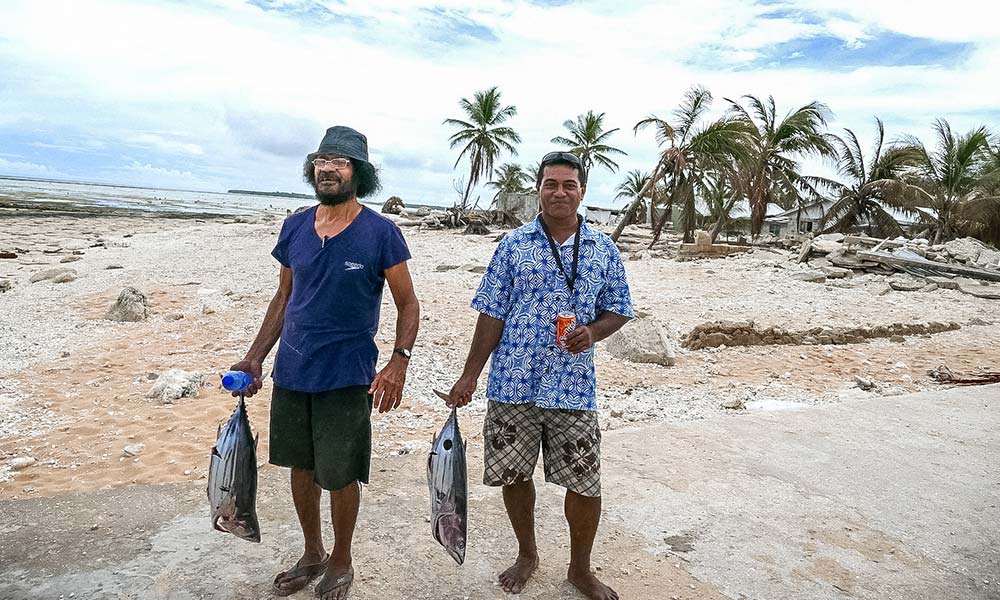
(329, 433)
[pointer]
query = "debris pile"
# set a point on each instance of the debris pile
(942, 374)
(472, 221)
(636, 243)
(704, 248)
(965, 257)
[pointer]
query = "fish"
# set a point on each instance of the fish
(448, 481)
(232, 478)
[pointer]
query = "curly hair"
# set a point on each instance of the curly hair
(365, 177)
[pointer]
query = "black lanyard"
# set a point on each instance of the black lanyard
(570, 281)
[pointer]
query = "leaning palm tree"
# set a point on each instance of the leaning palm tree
(772, 175)
(483, 136)
(635, 181)
(588, 140)
(633, 185)
(509, 178)
(693, 152)
(958, 197)
(721, 197)
(872, 187)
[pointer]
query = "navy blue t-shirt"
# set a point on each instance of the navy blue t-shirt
(328, 340)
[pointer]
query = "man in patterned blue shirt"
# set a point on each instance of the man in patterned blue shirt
(541, 392)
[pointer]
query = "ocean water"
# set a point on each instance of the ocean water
(148, 199)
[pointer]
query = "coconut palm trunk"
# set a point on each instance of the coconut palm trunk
(657, 173)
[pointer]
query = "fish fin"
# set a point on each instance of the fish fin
(443, 396)
(215, 451)
(256, 439)
(215, 524)
(218, 431)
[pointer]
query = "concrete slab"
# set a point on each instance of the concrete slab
(884, 498)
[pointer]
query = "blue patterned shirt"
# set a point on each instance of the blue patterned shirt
(524, 288)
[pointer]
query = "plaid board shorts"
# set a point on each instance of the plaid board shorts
(570, 441)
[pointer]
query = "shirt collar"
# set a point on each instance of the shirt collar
(587, 233)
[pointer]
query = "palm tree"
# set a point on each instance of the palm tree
(588, 141)
(721, 197)
(957, 180)
(533, 173)
(871, 187)
(509, 178)
(692, 153)
(772, 176)
(634, 183)
(482, 136)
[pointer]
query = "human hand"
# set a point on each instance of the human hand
(461, 392)
(387, 389)
(254, 368)
(579, 340)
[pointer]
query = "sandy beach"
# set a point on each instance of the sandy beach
(75, 384)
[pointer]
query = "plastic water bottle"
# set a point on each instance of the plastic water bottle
(236, 381)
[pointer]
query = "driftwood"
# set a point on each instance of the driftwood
(943, 374)
(473, 221)
(893, 260)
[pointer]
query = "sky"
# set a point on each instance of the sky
(222, 94)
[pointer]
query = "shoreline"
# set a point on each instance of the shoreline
(27, 208)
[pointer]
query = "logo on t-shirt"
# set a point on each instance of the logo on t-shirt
(352, 266)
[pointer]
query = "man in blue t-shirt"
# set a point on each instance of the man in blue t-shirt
(335, 259)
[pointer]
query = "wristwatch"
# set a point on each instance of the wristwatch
(404, 352)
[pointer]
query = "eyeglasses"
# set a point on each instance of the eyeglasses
(566, 156)
(337, 163)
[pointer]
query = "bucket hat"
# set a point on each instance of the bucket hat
(345, 142)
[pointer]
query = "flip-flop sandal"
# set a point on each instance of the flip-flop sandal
(345, 579)
(306, 573)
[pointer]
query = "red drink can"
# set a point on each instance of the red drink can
(565, 323)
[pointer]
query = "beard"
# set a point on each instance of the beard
(345, 191)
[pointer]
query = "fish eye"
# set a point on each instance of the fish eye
(461, 544)
(447, 444)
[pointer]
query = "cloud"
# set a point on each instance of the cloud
(278, 134)
(883, 49)
(163, 143)
(27, 169)
(455, 28)
(202, 89)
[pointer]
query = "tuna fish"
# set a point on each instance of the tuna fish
(447, 479)
(232, 478)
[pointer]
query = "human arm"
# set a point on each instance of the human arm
(387, 388)
(270, 331)
(585, 336)
(484, 342)
(613, 305)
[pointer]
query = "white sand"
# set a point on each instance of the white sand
(72, 385)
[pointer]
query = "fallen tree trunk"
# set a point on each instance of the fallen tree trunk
(898, 261)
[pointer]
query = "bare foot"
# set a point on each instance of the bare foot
(590, 586)
(513, 579)
(336, 584)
